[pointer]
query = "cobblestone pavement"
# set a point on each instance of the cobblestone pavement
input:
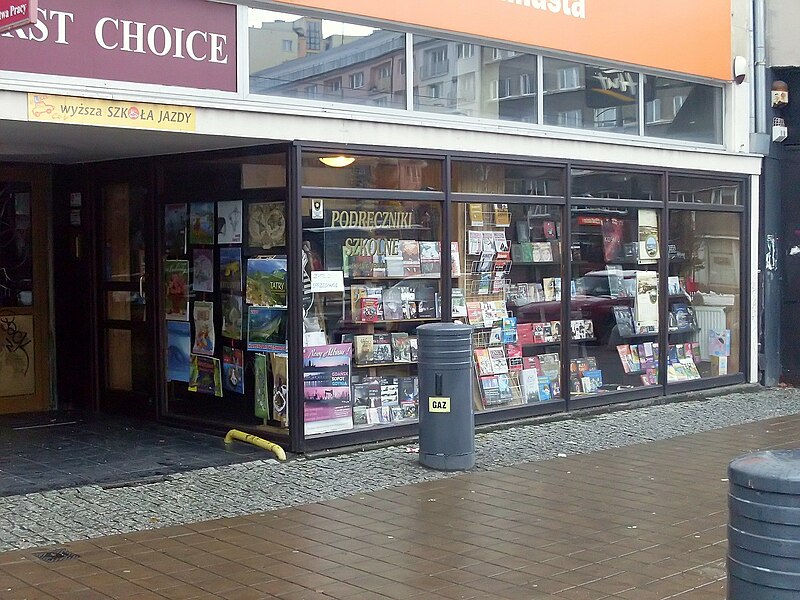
(91, 511)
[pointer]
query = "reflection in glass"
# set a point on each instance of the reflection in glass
(614, 311)
(373, 272)
(682, 110)
(583, 96)
(588, 183)
(16, 262)
(320, 59)
(523, 180)
(508, 287)
(372, 172)
(704, 191)
(705, 282)
(462, 78)
(123, 226)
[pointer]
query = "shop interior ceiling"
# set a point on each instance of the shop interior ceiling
(52, 143)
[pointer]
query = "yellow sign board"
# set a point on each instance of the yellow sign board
(438, 405)
(114, 113)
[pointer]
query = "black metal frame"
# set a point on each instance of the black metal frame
(295, 192)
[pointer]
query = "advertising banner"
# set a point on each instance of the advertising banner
(685, 36)
(186, 43)
(16, 13)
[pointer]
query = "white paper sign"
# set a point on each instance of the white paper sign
(327, 281)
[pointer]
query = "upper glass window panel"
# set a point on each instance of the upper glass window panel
(587, 183)
(371, 172)
(16, 246)
(459, 78)
(319, 59)
(522, 180)
(699, 190)
(682, 110)
(590, 97)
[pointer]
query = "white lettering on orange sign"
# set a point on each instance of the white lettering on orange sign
(571, 8)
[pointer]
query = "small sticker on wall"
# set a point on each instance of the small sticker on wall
(316, 209)
(438, 405)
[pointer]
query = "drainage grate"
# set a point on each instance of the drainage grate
(55, 555)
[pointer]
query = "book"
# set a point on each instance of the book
(474, 242)
(504, 388)
(426, 302)
(412, 342)
(523, 231)
(361, 266)
(430, 258)
(401, 347)
(394, 265)
(459, 304)
(483, 362)
(649, 251)
(484, 284)
(370, 310)
(364, 350)
(357, 293)
(530, 385)
(410, 252)
(490, 391)
(612, 231)
(525, 334)
(509, 328)
(502, 217)
(624, 319)
(549, 230)
(474, 313)
(551, 367)
(381, 348)
(392, 304)
(591, 381)
(486, 262)
(476, 215)
(526, 250)
(497, 355)
(545, 252)
(546, 389)
(455, 260)
(719, 343)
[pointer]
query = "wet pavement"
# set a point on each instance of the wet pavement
(643, 520)
(64, 450)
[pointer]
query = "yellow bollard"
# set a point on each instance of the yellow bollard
(235, 434)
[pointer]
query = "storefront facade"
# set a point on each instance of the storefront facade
(591, 218)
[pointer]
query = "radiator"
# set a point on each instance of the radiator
(707, 318)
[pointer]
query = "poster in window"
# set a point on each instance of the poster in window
(205, 376)
(204, 338)
(203, 270)
(266, 225)
(326, 388)
(261, 391)
(233, 370)
(201, 223)
(266, 281)
(175, 229)
(230, 269)
(266, 328)
(179, 347)
(16, 355)
(229, 222)
(646, 302)
(231, 306)
(649, 251)
(279, 364)
(176, 282)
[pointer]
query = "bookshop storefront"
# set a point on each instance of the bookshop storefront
(292, 293)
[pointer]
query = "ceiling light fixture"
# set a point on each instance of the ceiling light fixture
(337, 161)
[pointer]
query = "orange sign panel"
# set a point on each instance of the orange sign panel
(685, 36)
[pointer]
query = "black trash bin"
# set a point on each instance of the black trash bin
(764, 526)
(446, 418)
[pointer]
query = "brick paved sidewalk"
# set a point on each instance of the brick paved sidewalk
(641, 522)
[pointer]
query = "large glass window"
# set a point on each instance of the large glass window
(590, 97)
(372, 172)
(508, 287)
(522, 180)
(615, 303)
(372, 275)
(683, 110)
(309, 57)
(704, 295)
(704, 190)
(475, 81)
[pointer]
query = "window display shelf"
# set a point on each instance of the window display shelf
(424, 320)
(397, 278)
(386, 364)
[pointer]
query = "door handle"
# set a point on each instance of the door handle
(141, 287)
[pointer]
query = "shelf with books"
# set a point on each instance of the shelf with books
(396, 278)
(386, 364)
(417, 320)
